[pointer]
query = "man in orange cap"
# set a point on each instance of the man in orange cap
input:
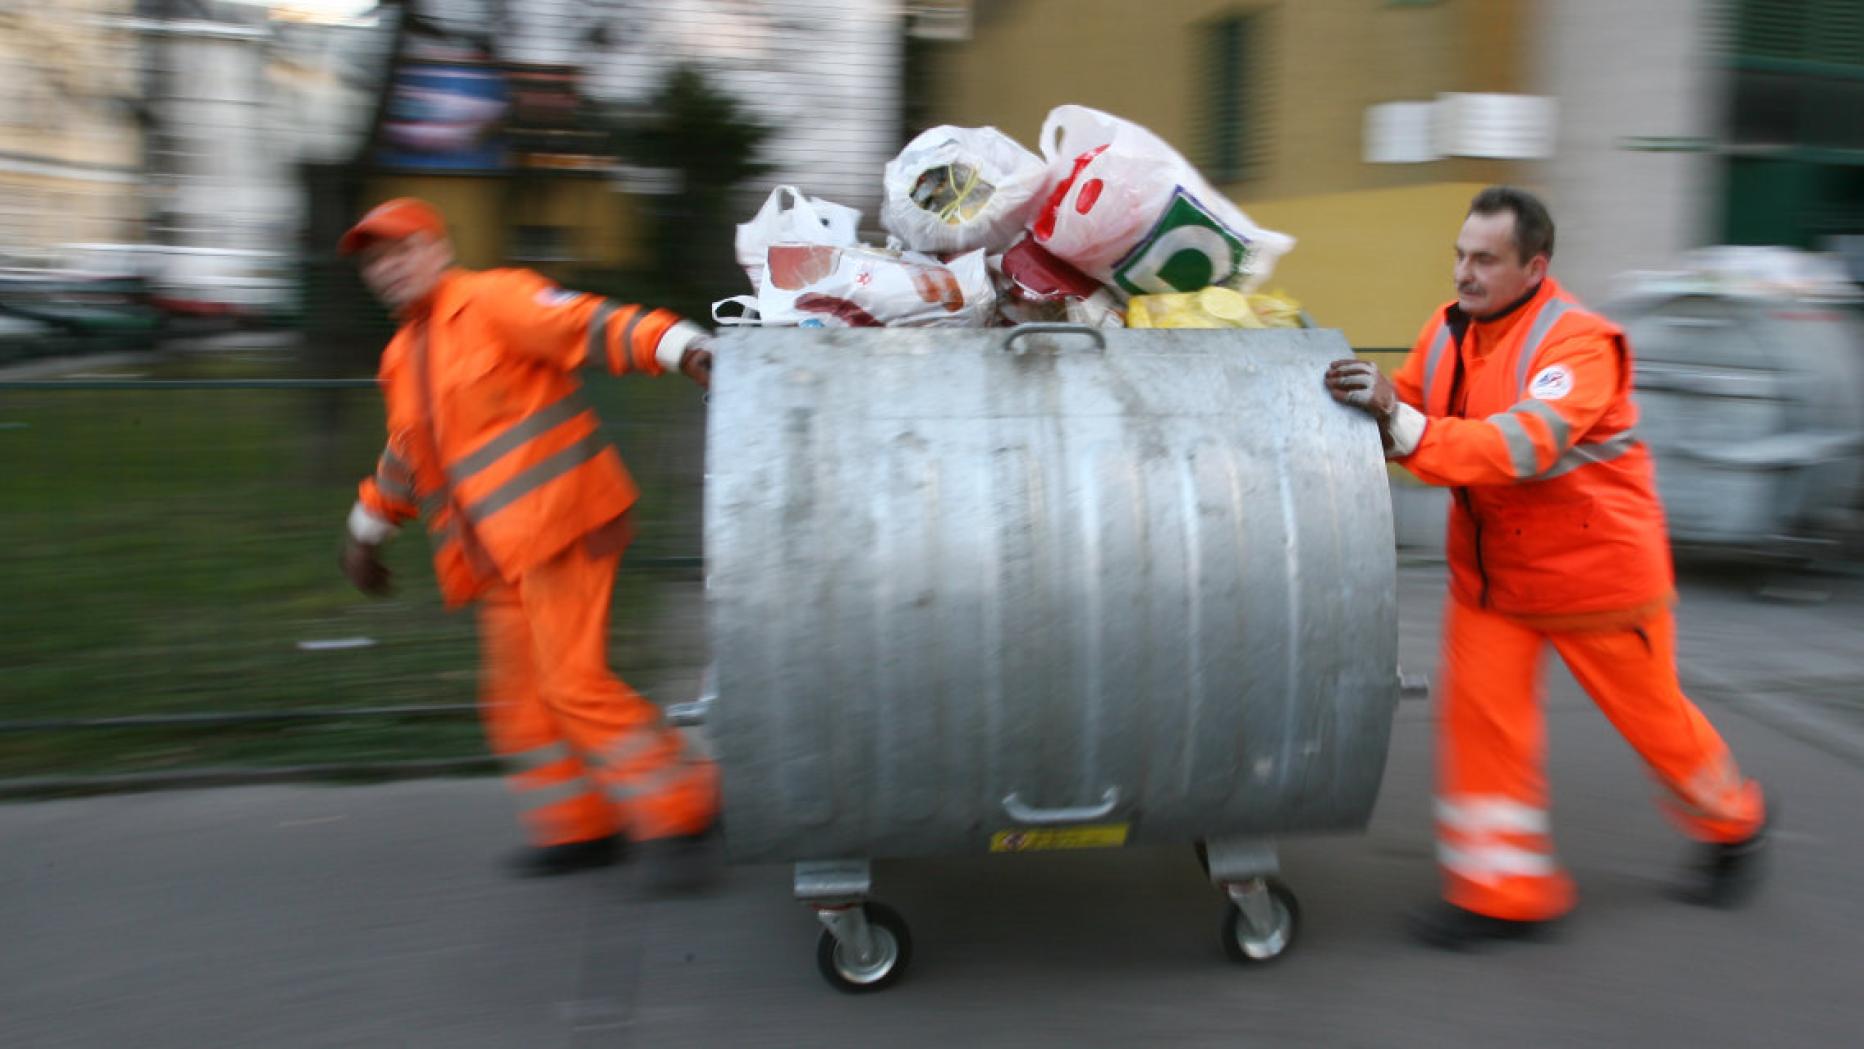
(491, 441)
(1519, 399)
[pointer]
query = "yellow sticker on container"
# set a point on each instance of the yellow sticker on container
(1092, 836)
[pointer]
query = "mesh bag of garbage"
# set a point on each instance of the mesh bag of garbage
(957, 189)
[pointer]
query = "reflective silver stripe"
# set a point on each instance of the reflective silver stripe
(534, 798)
(627, 338)
(538, 422)
(1549, 315)
(653, 783)
(1586, 453)
(1436, 354)
(536, 476)
(395, 488)
(622, 751)
(536, 757)
(595, 355)
(1520, 445)
(1494, 861)
(393, 477)
(1547, 413)
(1492, 815)
(443, 531)
(636, 745)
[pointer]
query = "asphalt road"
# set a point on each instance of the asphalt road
(317, 916)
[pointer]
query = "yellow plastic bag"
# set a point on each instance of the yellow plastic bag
(1213, 308)
(1276, 310)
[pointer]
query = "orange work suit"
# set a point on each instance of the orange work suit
(1556, 537)
(491, 441)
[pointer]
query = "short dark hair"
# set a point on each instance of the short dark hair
(1533, 226)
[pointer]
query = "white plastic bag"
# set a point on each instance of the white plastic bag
(829, 286)
(1126, 209)
(957, 189)
(797, 220)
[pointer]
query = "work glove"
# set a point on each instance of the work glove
(1362, 385)
(696, 361)
(362, 565)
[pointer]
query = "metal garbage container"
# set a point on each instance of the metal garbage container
(1753, 407)
(1044, 588)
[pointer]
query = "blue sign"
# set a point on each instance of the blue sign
(445, 117)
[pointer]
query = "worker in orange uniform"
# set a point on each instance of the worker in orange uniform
(491, 440)
(1518, 399)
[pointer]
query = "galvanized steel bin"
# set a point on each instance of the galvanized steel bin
(1753, 407)
(988, 590)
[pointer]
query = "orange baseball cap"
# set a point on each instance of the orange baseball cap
(392, 220)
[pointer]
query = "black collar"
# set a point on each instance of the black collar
(1459, 321)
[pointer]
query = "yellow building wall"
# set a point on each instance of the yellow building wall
(1029, 56)
(471, 206)
(1321, 63)
(605, 226)
(1374, 251)
(1372, 263)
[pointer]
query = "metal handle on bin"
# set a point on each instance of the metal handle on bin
(1049, 328)
(687, 715)
(1022, 812)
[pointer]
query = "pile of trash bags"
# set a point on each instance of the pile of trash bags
(1109, 227)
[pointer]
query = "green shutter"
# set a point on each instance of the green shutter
(1829, 32)
(1230, 79)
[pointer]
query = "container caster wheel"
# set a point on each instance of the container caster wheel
(839, 955)
(1261, 921)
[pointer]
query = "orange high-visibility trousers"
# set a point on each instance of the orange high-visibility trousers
(1494, 842)
(584, 753)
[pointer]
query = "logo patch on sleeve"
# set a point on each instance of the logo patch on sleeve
(1554, 382)
(557, 297)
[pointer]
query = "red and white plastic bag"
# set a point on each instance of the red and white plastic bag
(790, 217)
(1126, 209)
(826, 286)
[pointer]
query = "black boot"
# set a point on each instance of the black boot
(684, 863)
(548, 861)
(1725, 875)
(1452, 928)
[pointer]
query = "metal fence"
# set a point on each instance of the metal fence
(176, 615)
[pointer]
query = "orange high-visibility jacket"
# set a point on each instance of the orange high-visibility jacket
(1530, 419)
(489, 436)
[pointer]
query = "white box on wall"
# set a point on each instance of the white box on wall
(1496, 127)
(1401, 133)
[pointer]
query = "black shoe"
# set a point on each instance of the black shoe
(1452, 928)
(549, 861)
(1725, 875)
(684, 863)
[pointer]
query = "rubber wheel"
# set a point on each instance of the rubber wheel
(896, 952)
(1242, 946)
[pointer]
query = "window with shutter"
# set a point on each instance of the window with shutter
(1229, 104)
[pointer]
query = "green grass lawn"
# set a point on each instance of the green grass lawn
(166, 552)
